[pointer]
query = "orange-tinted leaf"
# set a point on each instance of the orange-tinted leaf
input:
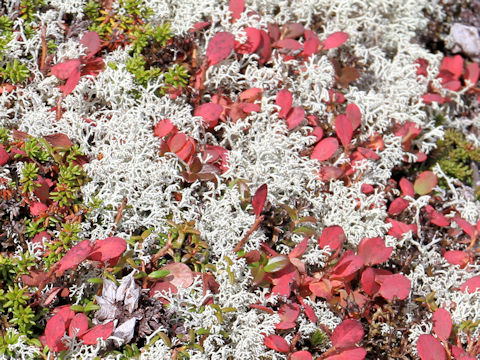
(442, 323)
(219, 47)
(344, 130)
(373, 251)
(396, 285)
(295, 117)
(301, 355)
(457, 257)
(356, 353)
(258, 200)
(254, 38)
(73, 257)
(335, 40)
(325, 149)
(210, 113)
(354, 115)
(471, 285)
(429, 348)
(180, 274)
(347, 334)
(284, 99)
(333, 237)
(348, 75)
(288, 314)
(107, 249)
(251, 94)
(79, 322)
(397, 206)
(236, 7)
(276, 343)
(321, 289)
(92, 42)
(99, 331)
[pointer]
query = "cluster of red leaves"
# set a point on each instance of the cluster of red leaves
(455, 75)
(77, 325)
(443, 343)
(72, 70)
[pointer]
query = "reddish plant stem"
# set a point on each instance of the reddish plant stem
(254, 227)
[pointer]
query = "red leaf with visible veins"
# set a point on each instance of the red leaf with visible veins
(284, 99)
(99, 331)
(180, 275)
(219, 47)
(108, 249)
(254, 38)
(54, 331)
(325, 149)
(295, 117)
(373, 251)
(92, 42)
(347, 266)
(395, 285)
(277, 343)
(335, 40)
(347, 334)
(356, 353)
(343, 128)
(442, 323)
(73, 257)
(429, 348)
(473, 284)
(258, 200)
(354, 115)
(79, 322)
(301, 355)
(210, 113)
(236, 7)
(333, 237)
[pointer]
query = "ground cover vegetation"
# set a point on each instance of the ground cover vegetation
(241, 179)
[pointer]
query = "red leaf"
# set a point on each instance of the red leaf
(301, 355)
(343, 128)
(219, 47)
(397, 206)
(311, 44)
(299, 249)
(251, 94)
(347, 334)
(4, 157)
(465, 225)
(92, 42)
(54, 331)
(422, 68)
(356, 353)
(59, 141)
(471, 285)
(453, 65)
(325, 149)
(163, 128)
(79, 322)
(73, 257)
(295, 117)
(180, 275)
(248, 107)
(163, 286)
(65, 69)
(258, 200)
(254, 38)
(284, 99)
(288, 44)
(457, 257)
(309, 312)
(37, 208)
(399, 228)
(395, 285)
(430, 97)
(71, 82)
(210, 113)
(264, 49)
(435, 217)
(177, 142)
(107, 249)
(442, 323)
(406, 187)
(429, 348)
(333, 237)
(288, 313)
(277, 343)
(472, 73)
(321, 289)
(347, 266)
(335, 40)
(368, 281)
(327, 173)
(354, 115)
(292, 30)
(99, 331)
(373, 251)
(367, 189)
(236, 7)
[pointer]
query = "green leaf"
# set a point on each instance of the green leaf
(276, 263)
(304, 230)
(77, 308)
(95, 280)
(158, 274)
